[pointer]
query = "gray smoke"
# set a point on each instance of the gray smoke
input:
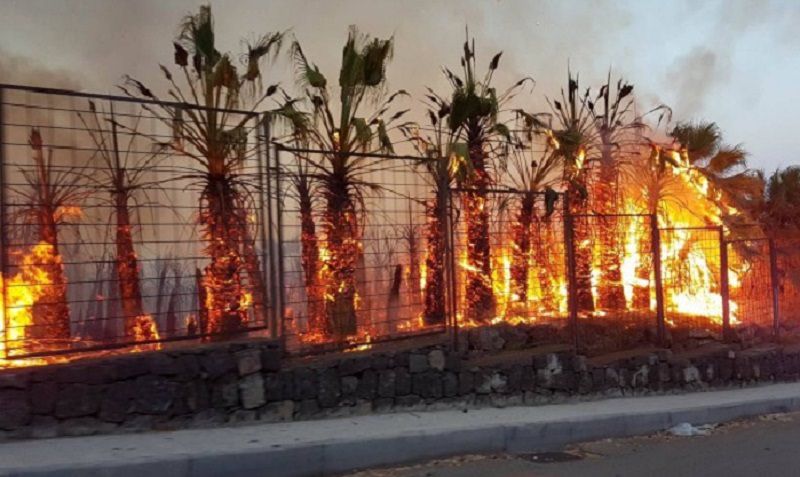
(694, 75)
(15, 69)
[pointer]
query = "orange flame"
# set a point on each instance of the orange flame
(20, 294)
(145, 329)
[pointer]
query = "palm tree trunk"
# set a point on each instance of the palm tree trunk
(51, 311)
(252, 265)
(341, 230)
(111, 329)
(434, 264)
(202, 310)
(521, 249)
(364, 302)
(172, 317)
(641, 290)
(480, 299)
(544, 255)
(311, 264)
(611, 294)
(394, 304)
(224, 228)
(413, 268)
(127, 265)
(583, 252)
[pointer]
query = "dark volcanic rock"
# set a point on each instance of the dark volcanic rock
(251, 390)
(225, 392)
(154, 394)
(218, 363)
(427, 384)
(43, 397)
(15, 411)
(330, 389)
(77, 400)
(386, 383)
(117, 402)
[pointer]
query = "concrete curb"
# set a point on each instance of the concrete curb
(342, 454)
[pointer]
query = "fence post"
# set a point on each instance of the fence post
(280, 298)
(775, 282)
(262, 146)
(572, 296)
(3, 226)
(451, 281)
(268, 249)
(661, 329)
(724, 286)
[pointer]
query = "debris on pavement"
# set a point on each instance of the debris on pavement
(685, 429)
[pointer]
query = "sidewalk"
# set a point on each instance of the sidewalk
(314, 448)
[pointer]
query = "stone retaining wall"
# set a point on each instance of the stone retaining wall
(243, 382)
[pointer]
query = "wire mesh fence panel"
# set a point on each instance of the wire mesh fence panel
(125, 225)
(788, 274)
(510, 265)
(750, 282)
(361, 251)
(614, 281)
(692, 280)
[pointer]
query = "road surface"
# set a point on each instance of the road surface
(764, 447)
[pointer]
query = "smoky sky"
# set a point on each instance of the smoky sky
(734, 62)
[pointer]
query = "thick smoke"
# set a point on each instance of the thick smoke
(693, 56)
(693, 77)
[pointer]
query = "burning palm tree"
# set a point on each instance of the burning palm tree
(309, 241)
(611, 113)
(121, 180)
(346, 142)
(443, 163)
(474, 118)
(780, 209)
(52, 199)
(779, 215)
(572, 137)
(695, 180)
(305, 186)
(533, 178)
(653, 188)
(726, 180)
(218, 142)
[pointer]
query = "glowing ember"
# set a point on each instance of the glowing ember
(145, 330)
(364, 343)
(67, 212)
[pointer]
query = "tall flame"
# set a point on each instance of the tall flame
(19, 294)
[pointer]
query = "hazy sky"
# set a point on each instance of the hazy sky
(735, 62)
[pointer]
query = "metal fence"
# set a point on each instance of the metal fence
(615, 285)
(357, 250)
(786, 273)
(118, 231)
(692, 264)
(751, 279)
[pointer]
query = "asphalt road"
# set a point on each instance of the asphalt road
(764, 447)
